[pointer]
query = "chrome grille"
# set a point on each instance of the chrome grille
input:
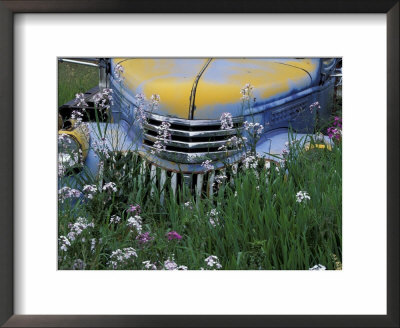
(191, 140)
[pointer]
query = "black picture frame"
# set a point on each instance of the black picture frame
(7, 10)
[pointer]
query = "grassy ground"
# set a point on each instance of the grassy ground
(257, 223)
(74, 78)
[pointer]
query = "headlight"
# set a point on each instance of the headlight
(69, 153)
(73, 146)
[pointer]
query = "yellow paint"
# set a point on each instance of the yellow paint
(306, 64)
(309, 146)
(79, 135)
(172, 79)
(268, 79)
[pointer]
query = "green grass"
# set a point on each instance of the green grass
(260, 227)
(260, 224)
(75, 78)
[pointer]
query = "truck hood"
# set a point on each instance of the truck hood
(199, 88)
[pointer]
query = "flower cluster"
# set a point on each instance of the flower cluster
(302, 196)
(250, 161)
(188, 205)
(233, 143)
(122, 257)
(173, 235)
(247, 91)
(64, 243)
(335, 131)
(213, 217)
(314, 105)
(254, 128)
(207, 165)
(110, 187)
(135, 222)
(163, 136)
(89, 191)
(67, 192)
(101, 147)
(115, 219)
(171, 265)
(77, 115)
(154, 101)
(140, 110)
(118, 71)
(149, 266)
(78, 227)
(220, 178)
(80, 100)
(213, 262)
(144, 238)
(104, 99)
(134, 209)
(226, 121)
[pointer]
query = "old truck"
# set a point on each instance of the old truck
(179, 113)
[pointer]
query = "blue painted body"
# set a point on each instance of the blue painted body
(276, 113)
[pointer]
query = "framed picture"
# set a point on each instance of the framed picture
(233, 218)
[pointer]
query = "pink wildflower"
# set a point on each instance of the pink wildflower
(134, 209)
(173, 235)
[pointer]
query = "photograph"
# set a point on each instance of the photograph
(199, 163)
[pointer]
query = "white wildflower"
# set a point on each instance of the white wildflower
(115, 219)
(110, 187)
(246, 91)
(80, 100)
(149, 266)
(122, 257)
(302, 196)
(314, 105)
(213, 217)
(170, 265)
(104, 99)
(89, 191)
(207, 165)
(118, 71)
(135, 223)
(163, 137)
(226, 121)
(67, 192)
(65, 243)
(213, 262)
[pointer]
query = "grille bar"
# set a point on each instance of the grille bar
(194, 134)
(191, 158)
(189, 145)
(190, 123)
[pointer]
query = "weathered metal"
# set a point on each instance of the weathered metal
(195, 92)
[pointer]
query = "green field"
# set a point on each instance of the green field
(254, 223)
(74, 78)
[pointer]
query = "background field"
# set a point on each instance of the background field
(73, 78)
